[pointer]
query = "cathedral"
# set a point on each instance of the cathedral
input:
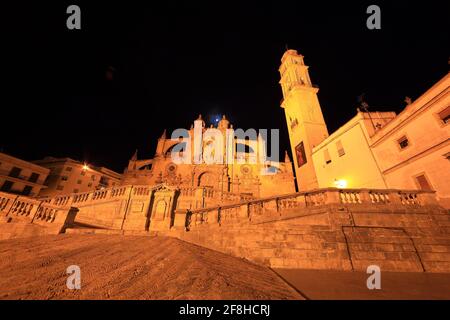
(379, 182)
(374, 149)
(242, 179)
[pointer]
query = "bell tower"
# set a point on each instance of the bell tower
(304, 118)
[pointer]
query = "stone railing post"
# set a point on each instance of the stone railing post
(243, 211)
(427, 198)
(65, 218)
(213, 216)
(180, 219)
(69, 201)
(271, 204)
(34, 211)
(364, 196)
(301, 201)
(394, 197)
(332, 196)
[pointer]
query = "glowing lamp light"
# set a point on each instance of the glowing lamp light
(340, 183)
(85, 167)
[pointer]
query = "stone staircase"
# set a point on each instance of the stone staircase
(335, 229)
(336, 237)
(323, 229)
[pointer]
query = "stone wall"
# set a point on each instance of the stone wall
(330, 229)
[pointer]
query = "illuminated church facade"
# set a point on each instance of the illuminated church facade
(246, 177)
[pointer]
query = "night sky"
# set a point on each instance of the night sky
(99, 93)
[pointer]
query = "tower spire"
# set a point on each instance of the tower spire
(306, 126)
(135, 156)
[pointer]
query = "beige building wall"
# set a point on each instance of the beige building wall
(345, 159)
(374, 149)
(413, 150)
(21, 177)
(70, 176)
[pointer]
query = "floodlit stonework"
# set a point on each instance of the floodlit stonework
(410, 150)
(304, 118)
(361, 200)
(334, 229)
(23, 216)
(204, 184)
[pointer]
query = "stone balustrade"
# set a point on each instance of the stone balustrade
(204, 197)
(120, 207)
(22, 215)
(201, 205)
(246, 210)
(6, 202)
(85, 198)
(24, 207)
(113, 193)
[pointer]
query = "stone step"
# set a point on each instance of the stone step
(109, 231)
(280, 237)
(92, 231)
(320, 264)
(226, 230)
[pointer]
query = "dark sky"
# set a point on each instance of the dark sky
(175, 60)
